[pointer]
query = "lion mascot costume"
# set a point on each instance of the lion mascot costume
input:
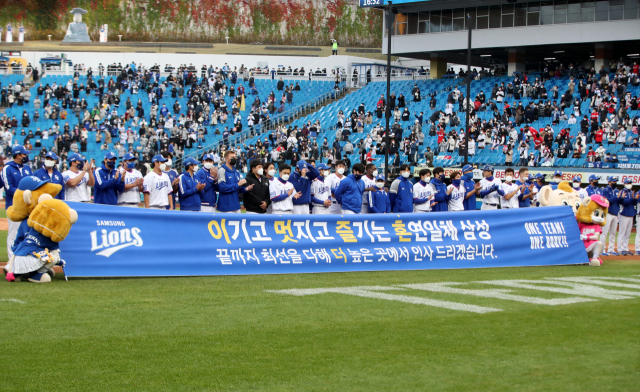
(591, 218)
(563, 195)
(34, 257)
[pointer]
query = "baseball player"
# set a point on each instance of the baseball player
(611, 225)
(593, 189)
(321, 192)
(538, 184)
(77, 179)
(109, 181)
(509, 191)
(471, 187)
(208, 175)
(51, 173)
(157, 187)
(172, 174)
(369, 180)
(350, 191)
(401, 191)
(527, 193)
(457, 191)
(441, 195)
(423, 192)
(333, 180)
(189, 187)
(133, 180)
(301, 179)
(489, 189)
(637, 224)
(379, 200)
(282, 192)
(625, 219)
(270, 172)
(230, 185)
(557, 177)
(582, 193)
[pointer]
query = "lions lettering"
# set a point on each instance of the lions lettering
(161, 184)
(113, 241)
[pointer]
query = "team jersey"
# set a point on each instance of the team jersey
(493, 197)
(172, 174)
(582, 193)
(456, 203)
(332, 181)
(320, 191)
(133, 194)
(589, 229)
(278, 191)
(367, 184)
(79, 192)
(507, 188)
(420, 191)
(158, 187)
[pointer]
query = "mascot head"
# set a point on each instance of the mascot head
(593, 210)
(31, 191)
(564, 195)
(53, 219)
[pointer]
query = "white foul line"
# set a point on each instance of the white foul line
(574, 288)
(12, 300)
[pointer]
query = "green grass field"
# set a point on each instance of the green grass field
(231, 334)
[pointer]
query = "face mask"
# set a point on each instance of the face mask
(357, 176)
(233, 161)
(467, 177)
(163, 166)
(375, 173)
(25, 159)
(169, 163)
(628, 186)
(576, 185)
(284, 177)
(380, 184)
(271, 173)
(441, 177)
(508, 178)
(260, 172)
(456, 182)
(110, 164)
(406, 174)
(80, 165)
(427, 179)
(208, 165)
(49, 163)
(131, 165)
(195, 168)
(556, 180)
(341, 171)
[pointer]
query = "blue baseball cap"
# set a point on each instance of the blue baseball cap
(302, 165)
(539, 175)
(323, 166)
(612, 179)
(577, 179)
(110, 156)
(189, 161)
(207, 156)
(158, 158)
(593, 177)
(628, 180)
(557, 173)
(31, 183)
(467, 168)
(531, 177)
(51, 155)
(76, 157)
(487, 168)
(15, 150)
(380, 177)
(128, 156)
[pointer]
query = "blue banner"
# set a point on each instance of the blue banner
(117, 242)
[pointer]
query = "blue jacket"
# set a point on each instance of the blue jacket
(593, 190)
(441, 198)
(379, 202)
(402, 199)
(524, 203)
(209, 195)
(613, 196)
(35, 242)
(470, 203)
(229, 196)
(303, 184)
(106, 188)
(627, 203)
(55, 178)
(12, 173)
(349, 194)
(189, 194)
(23, 229)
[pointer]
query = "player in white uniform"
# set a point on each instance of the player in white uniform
(157, 186)
(270, 172)
(320, 192)
(457, 191)
(133, 183)
(509, 191)
(489, 189)
(582, 193)
(78, 179)
(282, 192)
(369, 180)
(423, 192)
(332, 181)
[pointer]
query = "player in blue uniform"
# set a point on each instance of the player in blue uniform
(593, 189)
(50, 172)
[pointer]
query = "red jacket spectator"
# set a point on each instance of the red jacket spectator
(599, 135)
(440, 135)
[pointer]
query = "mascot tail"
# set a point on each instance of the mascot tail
(8, 269)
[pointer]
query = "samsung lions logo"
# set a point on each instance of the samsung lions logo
(113, 241)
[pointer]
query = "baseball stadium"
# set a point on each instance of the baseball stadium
(254, 195)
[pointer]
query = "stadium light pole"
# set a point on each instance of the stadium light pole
(466, 131)
(387, 113)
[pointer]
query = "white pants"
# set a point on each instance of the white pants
(365, 209)
(610, 228)
(488, 207)
(624, 232)
(637, 232)
(335, 209)
(283, 212)
(348, 212)
(207, 209)
(249, 212)
(319, 210)
(301, 210)
(231, 212)
(11, 235)
(595, 250)
(157, 208)
(128, 205)
(415, 209)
